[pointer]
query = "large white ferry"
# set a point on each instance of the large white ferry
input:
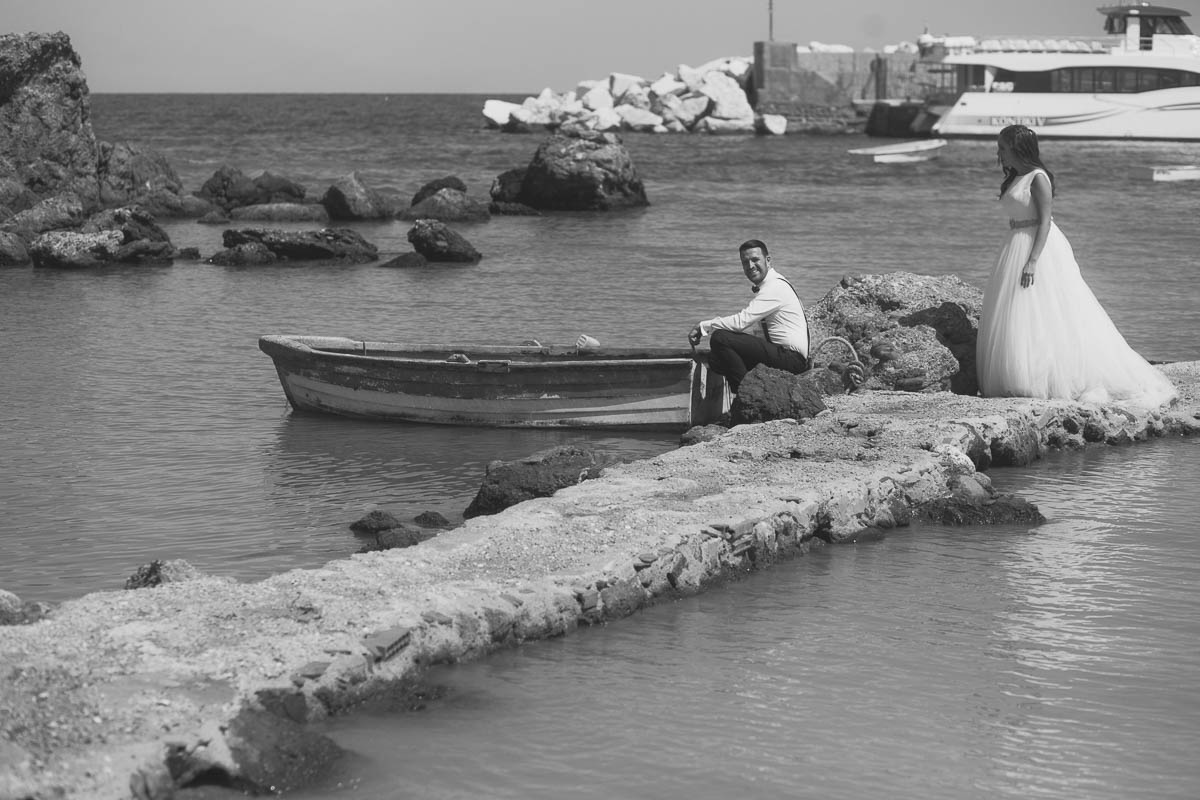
(1141, 80)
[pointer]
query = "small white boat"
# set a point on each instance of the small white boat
(902, 152)
(1174, 172)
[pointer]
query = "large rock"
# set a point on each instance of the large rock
(47, 144)
(498, 112)
(638, 119)
(914, 332)
(582, 171)
(261, 752)
(75, 250)
(767, 393)
(684, 110)
(728, 98)
(157, 573)
(134, 224)
(448, 205)
(230, 188)
(59, 212)
(13, 251)
(436, 185)
(116, 236)
(437, 241)
(133, 175)
(716, 125)
(328, 244)
(539, 475)
(351, 199)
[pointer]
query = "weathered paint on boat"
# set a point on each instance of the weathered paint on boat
(504, 386)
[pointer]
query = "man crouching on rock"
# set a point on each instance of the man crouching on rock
(776, 306)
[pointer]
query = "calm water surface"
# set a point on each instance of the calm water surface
(1055, 662)
(138, 420)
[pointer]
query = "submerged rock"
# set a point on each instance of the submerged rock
(539, 475)
(328, 244)
(229, 188)
(156, 573)
(437, 241)
(349, 198)
(75, 250)
(448, 205)
(434, 186)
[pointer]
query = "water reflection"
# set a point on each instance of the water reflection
(410, 468)
(1056, 662)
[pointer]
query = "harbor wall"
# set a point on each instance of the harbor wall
(806, 87)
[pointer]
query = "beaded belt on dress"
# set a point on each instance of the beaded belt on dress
(1022, 223)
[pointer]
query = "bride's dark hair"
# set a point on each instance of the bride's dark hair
(1024, 146)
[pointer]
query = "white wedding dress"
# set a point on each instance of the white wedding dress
(1054, 339)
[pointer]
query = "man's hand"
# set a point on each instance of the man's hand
(694, 336)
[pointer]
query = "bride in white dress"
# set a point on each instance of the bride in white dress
(1042, 332)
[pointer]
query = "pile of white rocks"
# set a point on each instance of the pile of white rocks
(710, 98)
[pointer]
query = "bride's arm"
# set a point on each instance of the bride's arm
(1042, 199)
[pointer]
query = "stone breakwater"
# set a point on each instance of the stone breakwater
(138, 693)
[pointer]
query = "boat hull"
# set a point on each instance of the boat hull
(1173, 172)
(902, 152)
(531, 386)
(1170, 114)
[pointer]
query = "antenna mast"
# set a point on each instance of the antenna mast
(770, 20)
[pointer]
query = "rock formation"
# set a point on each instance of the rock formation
(913, 332)
(711, 98)
(577, 170)
(436, 241)
(262, 245)
(47, 145)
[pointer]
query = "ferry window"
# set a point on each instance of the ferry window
(1168, 78)
(971, 76)
(1189, 79)
(1114, 24)
(1025, 81)
(1127, 80)
(1174, 25)
(1084, 79)
(1105, 81)
(1060, 80)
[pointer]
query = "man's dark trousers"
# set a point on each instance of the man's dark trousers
(734, 353)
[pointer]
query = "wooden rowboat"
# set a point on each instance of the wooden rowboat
(527, 385)
(902, 152)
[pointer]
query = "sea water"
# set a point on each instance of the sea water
(139, 421)
(1057, 661)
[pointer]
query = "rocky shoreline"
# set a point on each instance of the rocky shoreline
(70, 201)
(207, 681)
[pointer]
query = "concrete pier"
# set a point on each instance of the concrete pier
(139, 693)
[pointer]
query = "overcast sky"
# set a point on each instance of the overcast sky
(483, 46)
